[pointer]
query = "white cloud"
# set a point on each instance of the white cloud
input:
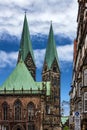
(8, 59)
(39, 57)
(40, 13)
(65, 54)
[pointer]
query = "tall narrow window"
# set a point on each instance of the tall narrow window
(47, 109)
(17, 107)
(85, 77)
(85, 102)
(31, 127)
(80, 106)
(31, 111)
(5, 111)
(5, 127)
(80, 85)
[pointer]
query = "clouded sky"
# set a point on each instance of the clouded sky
(40, 13)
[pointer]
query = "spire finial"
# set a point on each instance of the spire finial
(51, 25)
(25, 12)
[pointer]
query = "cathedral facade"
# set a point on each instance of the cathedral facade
(26, 104)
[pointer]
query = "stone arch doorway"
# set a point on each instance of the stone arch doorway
(18, 127)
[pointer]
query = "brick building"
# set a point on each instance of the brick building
(78, 93)
(26, 104)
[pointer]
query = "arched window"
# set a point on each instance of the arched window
(45, 68)
(31, 127)
(17, 107)
(5, 111)
(47, 109)
(31, 111)
(54, 69)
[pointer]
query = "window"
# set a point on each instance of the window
(31, 111)
(54, 69)
(80, 106)
(80, 85)
(85, 102)
(55, 82)
(45, 68)
(85, 77)
(5, 111)
(86, 42)
(5, 127)
(55, 98)
(17, 110)
(31, 127)
(47, 110)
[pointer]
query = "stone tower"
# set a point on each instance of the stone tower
(26, 51)
(51, 73)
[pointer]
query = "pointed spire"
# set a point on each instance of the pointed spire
(25, 45)
(51, 52)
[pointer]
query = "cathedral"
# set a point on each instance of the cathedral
(26, 104)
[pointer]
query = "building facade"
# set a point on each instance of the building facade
(78, 93)
(26, 104)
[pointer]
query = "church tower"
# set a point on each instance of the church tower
(51, 72)
(26, 51)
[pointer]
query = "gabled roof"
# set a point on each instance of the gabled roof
(51, 52)
(20, 79)
(25, 45)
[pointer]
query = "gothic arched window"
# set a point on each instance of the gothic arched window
(31, 111)
(54, 69)
(17, 107)
(5, 111)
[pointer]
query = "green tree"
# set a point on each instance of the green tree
(66, 128)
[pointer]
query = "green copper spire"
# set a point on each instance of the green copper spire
(51, 52)
(25, 45)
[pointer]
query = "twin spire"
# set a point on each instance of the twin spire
(26, 46)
